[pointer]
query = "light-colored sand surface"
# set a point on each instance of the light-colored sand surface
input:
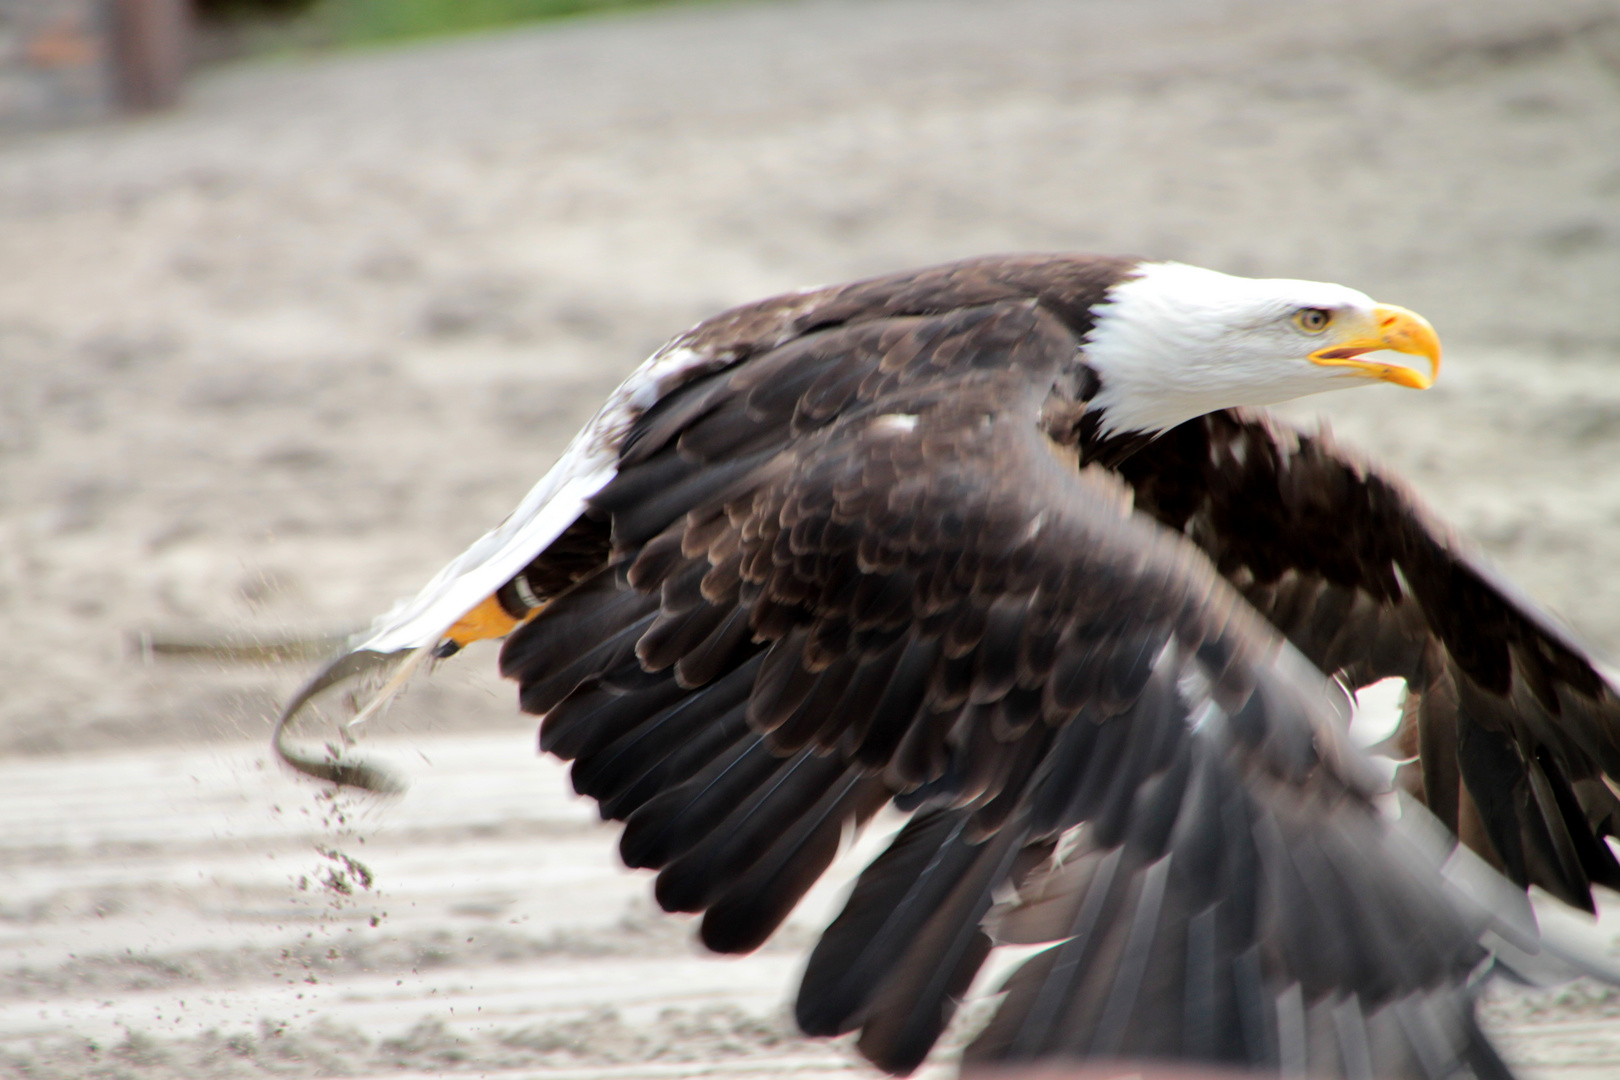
(186, 918)
(268, 361)
(191, 912)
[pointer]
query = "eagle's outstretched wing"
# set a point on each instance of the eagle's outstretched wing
(1511, 732)
(858, 568)
(844, 548)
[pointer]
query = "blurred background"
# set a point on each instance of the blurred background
(298, 298)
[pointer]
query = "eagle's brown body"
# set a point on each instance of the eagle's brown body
(878, 544)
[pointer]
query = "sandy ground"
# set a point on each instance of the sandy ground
(211, 916)
(268, 361)
(195, 913)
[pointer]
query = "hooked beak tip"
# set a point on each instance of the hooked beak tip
(1398, 330)
(1408, 332)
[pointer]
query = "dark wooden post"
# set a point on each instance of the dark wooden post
(149, 50)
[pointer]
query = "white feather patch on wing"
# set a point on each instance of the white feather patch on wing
(552, 505)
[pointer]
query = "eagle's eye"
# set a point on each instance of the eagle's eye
(1313, 320)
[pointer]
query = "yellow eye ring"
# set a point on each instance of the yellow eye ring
(1313, 320)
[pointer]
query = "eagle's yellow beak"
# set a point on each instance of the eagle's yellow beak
(1397, 330)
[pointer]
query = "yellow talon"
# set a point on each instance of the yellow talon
(489, 619)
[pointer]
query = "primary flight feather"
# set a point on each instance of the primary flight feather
(1003, 544)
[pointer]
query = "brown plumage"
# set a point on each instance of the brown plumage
(1509, 728)
(876, 544)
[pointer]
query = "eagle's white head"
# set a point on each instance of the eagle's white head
(1173, 342)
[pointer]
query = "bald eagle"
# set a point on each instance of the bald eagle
(1006, 545)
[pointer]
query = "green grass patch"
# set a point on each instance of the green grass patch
(247, 27)
(353, 22)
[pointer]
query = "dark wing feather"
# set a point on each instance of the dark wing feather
(856, 562)
(1511, 729)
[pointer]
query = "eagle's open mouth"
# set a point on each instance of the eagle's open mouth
(1398, 330)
